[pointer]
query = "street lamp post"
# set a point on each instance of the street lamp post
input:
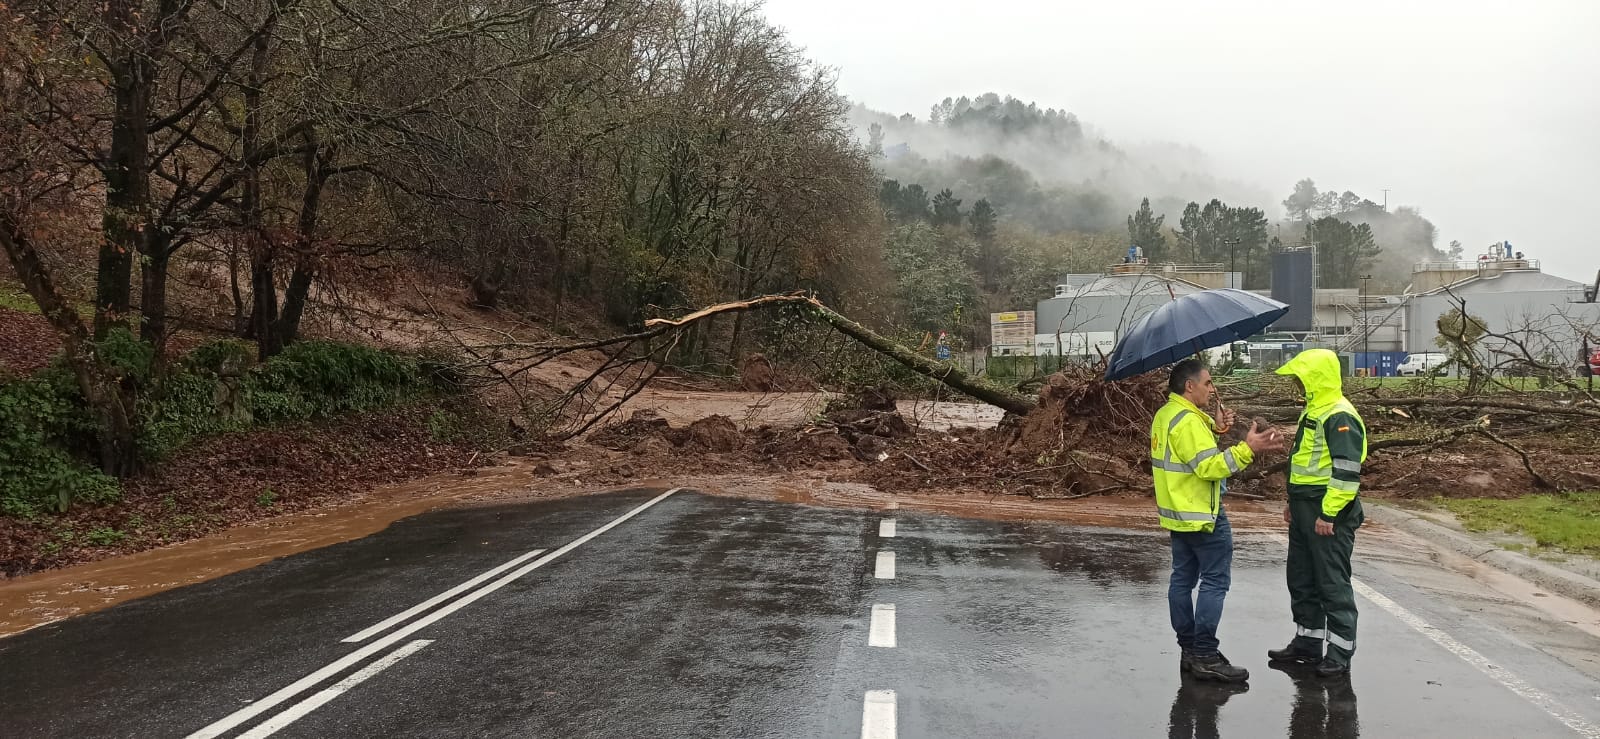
(1232, 265)
(1366, 323)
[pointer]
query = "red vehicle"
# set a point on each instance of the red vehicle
(1594, 363)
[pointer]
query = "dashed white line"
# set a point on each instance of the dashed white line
(881, 634)
(384, 625)
(1472, 657)
(885, 568)
(877, 715)
(299, 710)
(886, 528)
(233, 720)
(892, 505)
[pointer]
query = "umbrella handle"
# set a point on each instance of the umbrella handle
(1221, 427)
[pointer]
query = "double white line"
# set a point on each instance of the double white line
(243, 715)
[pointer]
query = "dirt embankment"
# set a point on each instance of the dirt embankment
(229, 480)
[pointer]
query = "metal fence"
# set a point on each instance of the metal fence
(1016, 368)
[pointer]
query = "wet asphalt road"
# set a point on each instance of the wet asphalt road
(718, 617)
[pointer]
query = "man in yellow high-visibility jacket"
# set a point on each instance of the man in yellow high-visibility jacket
(1189, 471)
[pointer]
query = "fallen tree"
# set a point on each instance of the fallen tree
(948, 374)
(633, 360)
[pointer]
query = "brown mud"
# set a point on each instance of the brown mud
(41, 598)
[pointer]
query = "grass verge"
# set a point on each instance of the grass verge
(1567, 521)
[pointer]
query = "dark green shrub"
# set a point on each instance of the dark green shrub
(38, 422)
(321, 379)
(214, 356)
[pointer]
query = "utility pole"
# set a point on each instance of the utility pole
(1386, 200)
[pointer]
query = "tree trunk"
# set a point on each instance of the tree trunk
(287, 323)
(124, 219)
(110, 403)
(264, 299)
(294, 301)
(153, 291)
(263, 289)
(153, 301)
(948, 374)
(241, 317)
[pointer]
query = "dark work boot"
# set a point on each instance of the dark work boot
(1301, 651)
(1217, 668)
(1186, 661)
(1332, 668)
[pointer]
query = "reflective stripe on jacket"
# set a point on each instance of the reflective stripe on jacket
(1188, 467)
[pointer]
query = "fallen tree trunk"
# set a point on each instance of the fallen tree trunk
(1510, 405)
(948, 374)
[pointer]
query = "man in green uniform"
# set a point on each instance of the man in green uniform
(1323, 515)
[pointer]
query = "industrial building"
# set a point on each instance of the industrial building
(1551, 315)
(1089, 312)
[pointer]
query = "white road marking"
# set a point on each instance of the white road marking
(384, 625)
(885, 570)
(1471, 656)
(877, 715)
(882, 632)
(229, 722)
(299, 710)
(886, 528)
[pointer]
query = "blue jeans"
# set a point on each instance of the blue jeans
(1207, 560)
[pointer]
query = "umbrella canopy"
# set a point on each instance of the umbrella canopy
(1189, 325)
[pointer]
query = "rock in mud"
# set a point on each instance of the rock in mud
(758, 375)
(714, 434)
(869, 448)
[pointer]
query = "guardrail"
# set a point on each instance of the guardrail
(1482, 264)
(1141, 267)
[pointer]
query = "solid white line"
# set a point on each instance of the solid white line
(885, 569)
(882, 632)
(227, 723)
(299, 710)
(384, 625)
(1472, 657)
(886, 528)
(877, 715)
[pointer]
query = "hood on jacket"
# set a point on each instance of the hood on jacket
(1318, 370)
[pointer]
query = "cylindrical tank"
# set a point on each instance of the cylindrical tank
(1294, 279)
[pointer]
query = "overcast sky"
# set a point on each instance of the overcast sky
(1485, 115)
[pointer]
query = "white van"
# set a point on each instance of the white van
(1422, 363)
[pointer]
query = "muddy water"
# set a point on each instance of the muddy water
(944, 415)
(30, 601)
(749, 410)
(1130, 512)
